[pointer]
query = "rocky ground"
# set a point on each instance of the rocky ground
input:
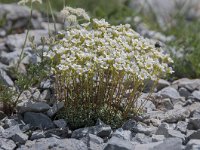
(171, 121)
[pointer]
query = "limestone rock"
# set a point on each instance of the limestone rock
(38, 120)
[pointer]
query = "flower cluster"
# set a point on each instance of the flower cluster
(100, 46)
(71, 14)
(23, 2)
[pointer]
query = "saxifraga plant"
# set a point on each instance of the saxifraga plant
(100, 70)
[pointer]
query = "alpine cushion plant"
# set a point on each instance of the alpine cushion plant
(100, 71)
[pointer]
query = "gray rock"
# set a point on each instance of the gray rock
(38, 120)
(189, 84)
(194, 123)
(123, 134)
(37, 135)
(3, 66)
(180, 104)
(142, 128)
(182, 126)
(94, 146)
(102, 131)
(25, 128)
(45, 84)
(93, 142)
(20, 138)
(129, 125)
(17, 17)
(80, 133)
(172, 126)
(196, 114)
(15, 42)
(169, 144)
(10, 58)
(148, 146)
(2, 33)
(35, 94)
(144, 103)
(193, 145)
(30, 106)
(25, 96)
(5, 78)
(95, 139)
(195, 106)
(142, 138)
(2, 46)
(118, 144)
(188, 102)
(155, 115)
(194, 135)
(54, 143)
(164, 129)
(155, 122)
(61, 123)
(157, 138)
(56, 107)
(176, 134)
(167, 104)
(1, 131)
(6, 144)
(170, 92)
(196, 95)
(45, 95)
(9, 123)
(58, 132)
(162, 84)
(184, 92)
(175, 115)
(15, 12)
(189, 132)
(9, 132)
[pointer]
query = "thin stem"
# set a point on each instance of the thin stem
(51, 10)
(26, 38)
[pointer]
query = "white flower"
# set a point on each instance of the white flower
(101, 23)
(71, 18)
(23, 2)
(78, 12)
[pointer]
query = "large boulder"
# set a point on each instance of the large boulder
(15, 18)
(38, 120)
(54, 143)
(31, 106)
